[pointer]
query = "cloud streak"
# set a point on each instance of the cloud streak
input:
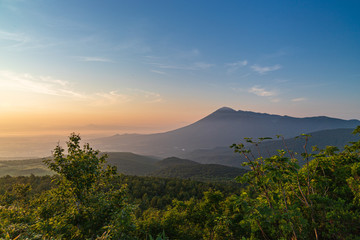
(262, 92)
(150, 97)
(15, 39)
(188, 54)
(264, 70)
(125, 96)
(194, 66)
(94, 59)
(298, 99)
(36, 84)
(158, 72)
(110, 98)
(18, 41)
(136, 45)
(45, 85)
(232, 67)
(202, 65)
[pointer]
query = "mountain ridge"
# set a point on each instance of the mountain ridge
(220, 128)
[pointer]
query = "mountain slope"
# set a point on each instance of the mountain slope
(226, 155)
(174, 161)
(132, 164)
(221, 128)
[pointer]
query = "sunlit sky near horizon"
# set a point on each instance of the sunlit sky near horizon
(147, 66)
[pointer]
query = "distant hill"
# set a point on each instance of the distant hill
(174, 161)
(133, 164)
(187, 169)
(201, 172)
(219, 129)
(226, 155)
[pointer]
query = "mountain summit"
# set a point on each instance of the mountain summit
(223, 127)
(225, 109)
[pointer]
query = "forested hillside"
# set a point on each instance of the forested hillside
(276, 199)
(201, 172)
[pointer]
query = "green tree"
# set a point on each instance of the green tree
(85, 203)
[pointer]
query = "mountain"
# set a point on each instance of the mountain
(223, 127)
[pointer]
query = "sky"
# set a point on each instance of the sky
(107, 67)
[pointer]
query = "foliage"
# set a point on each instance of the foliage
(156, 192)
(211, 217)
(318, 201)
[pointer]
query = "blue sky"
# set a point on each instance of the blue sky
(156, 65)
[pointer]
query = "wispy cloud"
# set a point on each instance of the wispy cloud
(46, 85)
(159, 72)
(232, 67)
(36, 84)
(188, 54)
(202, 65)
(262, 92)
(170, 66)
(178, 60)
(125, 96)
(244, 75)
(94, 59)
(298, 99)
(135, 45)
(20, 41)
(152, 58)
(275, 100)
(112, 97)
(194, 66)
(264, 70)
(195, 52)
(279, 53)
(15, 39)
(148, 96)
(11, 36)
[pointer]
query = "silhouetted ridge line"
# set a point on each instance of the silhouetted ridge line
(222, 128)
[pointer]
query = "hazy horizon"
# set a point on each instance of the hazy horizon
(96, 131)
